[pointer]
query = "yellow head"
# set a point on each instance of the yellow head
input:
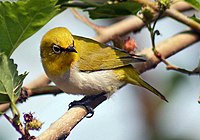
(57, 51)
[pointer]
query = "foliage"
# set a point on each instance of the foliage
(10, 82)
(114, 10)
(19, 20)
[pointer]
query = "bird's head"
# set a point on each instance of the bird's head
(57, 50)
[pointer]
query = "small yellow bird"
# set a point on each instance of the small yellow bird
(79, 65)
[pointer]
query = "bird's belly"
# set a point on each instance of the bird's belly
(89, 83)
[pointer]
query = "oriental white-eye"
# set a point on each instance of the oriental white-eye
(79, 65)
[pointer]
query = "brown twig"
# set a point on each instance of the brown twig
(168, 48)
(183, 19)
(17, 125)
(170, 66)
(41, 81)
(85, 20)
(132, 24)
(173, 13)
(43, 90)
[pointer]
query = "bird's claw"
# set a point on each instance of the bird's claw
(87, 102)
(89, 109)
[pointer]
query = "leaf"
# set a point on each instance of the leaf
(10, 81)
(195, 19)
(114, 10)
(19, 20)
(194, 3)
(4, 98)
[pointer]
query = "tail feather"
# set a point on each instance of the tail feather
(152, 89)
(133, 77)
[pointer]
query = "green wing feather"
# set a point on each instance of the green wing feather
(98, 56)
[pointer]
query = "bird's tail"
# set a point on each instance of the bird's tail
(133, 77)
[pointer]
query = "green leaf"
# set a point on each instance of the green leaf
(194, 3)
(114, 10)
(4, 98)
(10, 81)
(195, 19)
(19, 20)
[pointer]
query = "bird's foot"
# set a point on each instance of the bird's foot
(86, 102)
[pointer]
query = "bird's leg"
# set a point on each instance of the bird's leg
(89, 103)
(85, 102)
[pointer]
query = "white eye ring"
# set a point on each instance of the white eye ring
(56, 49)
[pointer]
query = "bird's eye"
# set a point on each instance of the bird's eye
(56, 49)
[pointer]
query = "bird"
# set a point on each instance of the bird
(83, 66)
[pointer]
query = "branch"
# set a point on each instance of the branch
(173, 14)
(61, 128)
(132, 23)
(31, 89)
(41, 81)
(85, 20)
(69, 120)
(183, 19)
(167, 48)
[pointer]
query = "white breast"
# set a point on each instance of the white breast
(76, 82)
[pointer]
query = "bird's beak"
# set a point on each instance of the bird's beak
(71, 49)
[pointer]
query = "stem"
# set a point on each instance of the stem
(152, 30)
(173, 13)
(16, 124)
(14, 109)
(156, 20)
(175, 68)
(167, 48)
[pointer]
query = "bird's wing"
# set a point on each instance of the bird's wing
(97, 56)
